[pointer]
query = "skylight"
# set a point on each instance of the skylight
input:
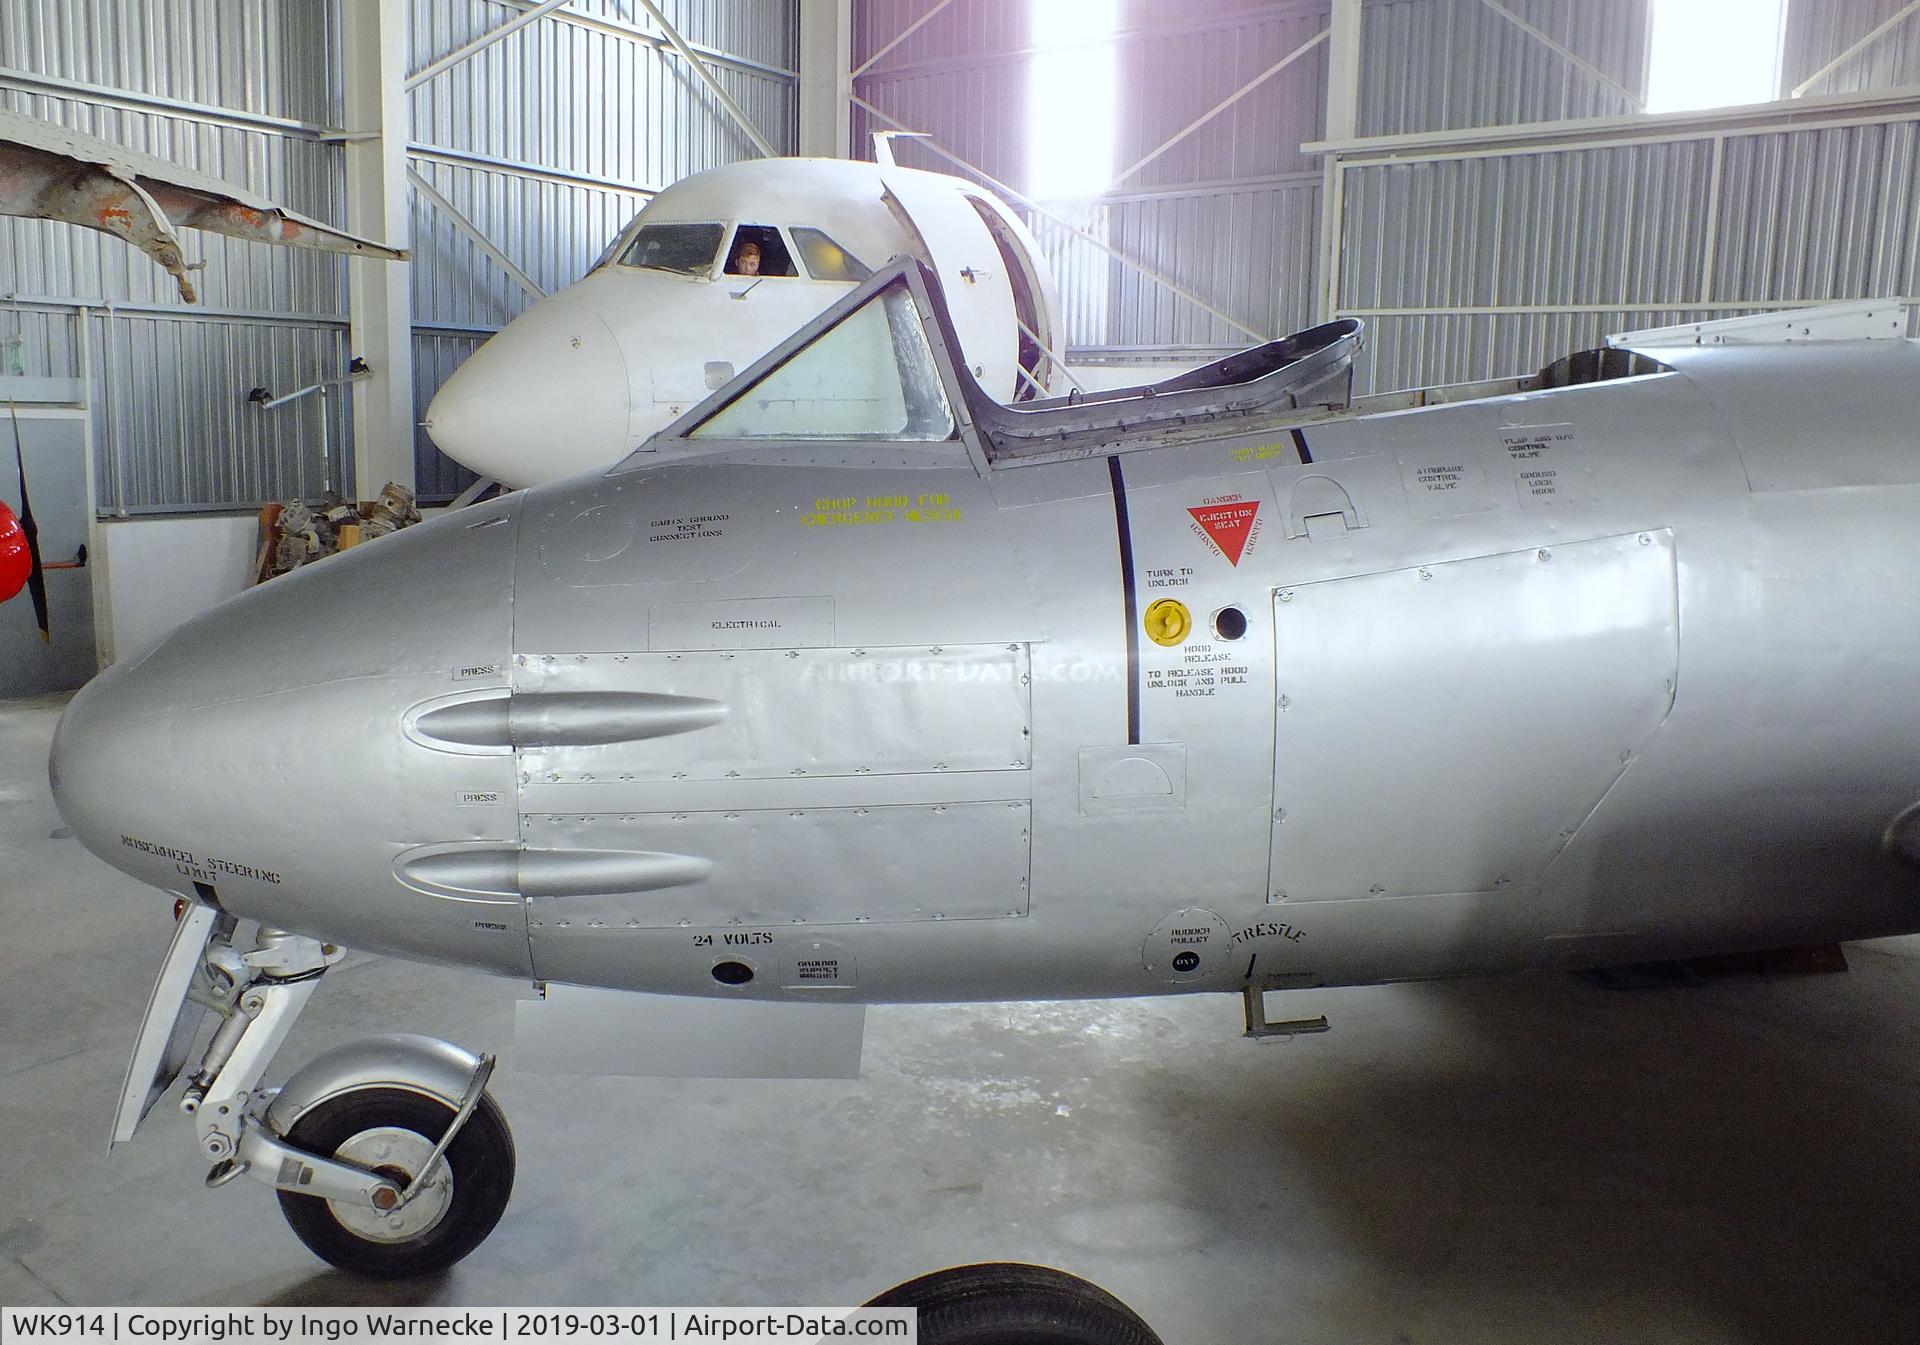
(1073, 97)
(1714, 53)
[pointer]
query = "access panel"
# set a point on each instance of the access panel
(1447, 728)
(757, 714)
(776, 866)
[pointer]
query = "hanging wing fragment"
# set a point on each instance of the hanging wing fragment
(50, 172)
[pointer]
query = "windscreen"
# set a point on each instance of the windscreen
(614, 247)
(870, 376)
(826, 259)
(688, 249)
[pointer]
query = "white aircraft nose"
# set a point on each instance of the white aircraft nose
(552, 386)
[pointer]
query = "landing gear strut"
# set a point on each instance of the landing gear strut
(389, 1155)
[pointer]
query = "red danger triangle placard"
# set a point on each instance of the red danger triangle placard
(1228, 526)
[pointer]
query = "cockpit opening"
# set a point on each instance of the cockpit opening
(1598, 366)
(759, 250)
(1310, 369)
(878, 366)
(867, 370)
(754, 250)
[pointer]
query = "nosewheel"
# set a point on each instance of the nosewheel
(394, 1132)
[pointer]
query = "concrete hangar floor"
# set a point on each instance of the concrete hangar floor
(1530, 1159)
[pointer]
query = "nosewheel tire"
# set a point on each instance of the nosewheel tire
(393, 1132)
(1008, 1303)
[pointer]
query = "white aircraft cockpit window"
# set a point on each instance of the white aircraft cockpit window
(759, 250)
(688, 249)
(826, 259)
(869, 376)
(610, 251)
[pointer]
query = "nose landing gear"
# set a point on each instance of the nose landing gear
(459, 1194)
(389, 1156)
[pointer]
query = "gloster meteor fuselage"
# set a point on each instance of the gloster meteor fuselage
(1303, 694)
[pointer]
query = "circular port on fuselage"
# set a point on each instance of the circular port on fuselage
(732, 973)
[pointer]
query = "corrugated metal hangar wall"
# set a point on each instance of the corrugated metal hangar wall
(1475, 232)
(1458, 213)
(234, 90)
(548, 141)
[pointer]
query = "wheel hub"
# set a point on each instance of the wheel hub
(396, 1154)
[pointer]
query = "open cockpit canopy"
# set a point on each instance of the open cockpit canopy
(879, 367)
(1313, 368)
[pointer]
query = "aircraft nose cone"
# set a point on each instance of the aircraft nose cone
(100, 738)
(546, 396)
(259, 753)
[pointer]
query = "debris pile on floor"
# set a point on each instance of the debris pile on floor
(296, 533)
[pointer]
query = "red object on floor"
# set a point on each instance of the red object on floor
(15, 561)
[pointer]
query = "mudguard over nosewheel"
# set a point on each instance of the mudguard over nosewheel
(1009, 1303)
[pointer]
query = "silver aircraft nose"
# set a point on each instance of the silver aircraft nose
(102, 731)
(553, 382)
(258, 755)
